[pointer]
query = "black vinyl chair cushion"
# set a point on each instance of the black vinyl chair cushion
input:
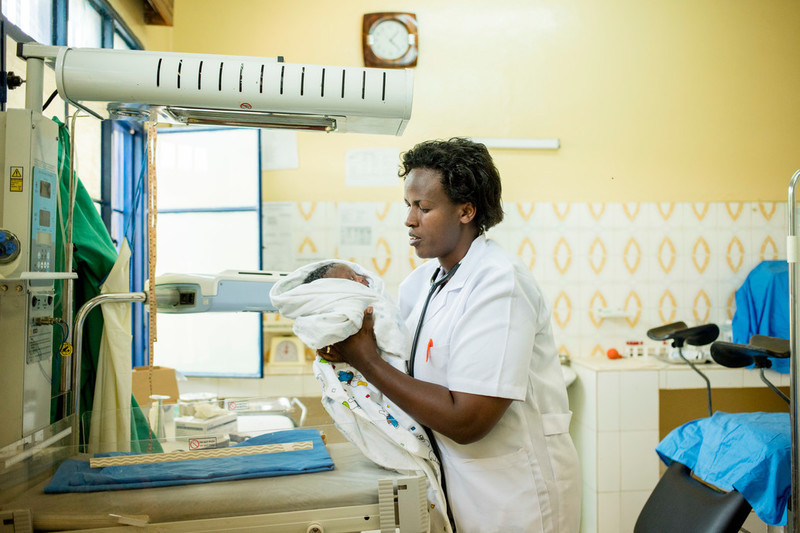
(681, 334)
(681, 503)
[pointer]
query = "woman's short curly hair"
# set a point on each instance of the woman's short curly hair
(468, 175)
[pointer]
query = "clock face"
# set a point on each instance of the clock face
(286, 352)
(390, 39)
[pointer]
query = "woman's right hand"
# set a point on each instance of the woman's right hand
(357, 349)
(327, 353)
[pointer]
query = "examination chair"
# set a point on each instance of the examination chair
(680, 502)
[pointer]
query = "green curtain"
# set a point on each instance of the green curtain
(93, 257)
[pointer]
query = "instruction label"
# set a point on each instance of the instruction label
(15, 181)
(203, 443)
(238, 405)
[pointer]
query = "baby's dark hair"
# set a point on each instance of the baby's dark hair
(468, 175)
(319, 272)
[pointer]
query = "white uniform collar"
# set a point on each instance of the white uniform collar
(475, 251)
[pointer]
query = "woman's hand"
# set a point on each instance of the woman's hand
(328, 354)
(357, 349)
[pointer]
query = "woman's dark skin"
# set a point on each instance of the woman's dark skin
(445, 230)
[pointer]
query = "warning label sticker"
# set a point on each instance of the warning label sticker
(15, 182)
(203, 443)
(65, 349)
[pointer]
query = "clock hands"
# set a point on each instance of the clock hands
(390, 39)
(400, 47)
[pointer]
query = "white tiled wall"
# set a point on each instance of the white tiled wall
(616, 432)
(652, 262)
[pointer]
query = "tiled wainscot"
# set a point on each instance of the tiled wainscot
(624, 407)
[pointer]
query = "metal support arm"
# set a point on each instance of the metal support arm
(80, 318)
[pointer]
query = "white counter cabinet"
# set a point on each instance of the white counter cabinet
(620, 407)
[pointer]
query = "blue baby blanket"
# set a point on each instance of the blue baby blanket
(77, 476)
(749, 452)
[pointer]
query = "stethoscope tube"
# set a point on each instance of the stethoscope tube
(435, 286)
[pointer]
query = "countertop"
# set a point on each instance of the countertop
(674, 375)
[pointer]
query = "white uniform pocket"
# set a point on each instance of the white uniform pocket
(495, 494)
(431, 364)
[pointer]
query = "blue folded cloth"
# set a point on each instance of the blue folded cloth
(749, 452)
(77, 476)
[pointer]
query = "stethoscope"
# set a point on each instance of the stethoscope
(435, 286)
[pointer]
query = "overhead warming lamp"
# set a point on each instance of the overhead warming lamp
(231, 90)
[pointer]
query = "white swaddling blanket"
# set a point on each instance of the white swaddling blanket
(330, 310)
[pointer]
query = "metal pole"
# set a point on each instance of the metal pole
(80, 318)
(68, 288)
(34, 84)
(792, 251)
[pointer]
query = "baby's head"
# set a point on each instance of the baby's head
(336, 270)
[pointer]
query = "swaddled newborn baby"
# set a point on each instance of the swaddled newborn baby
(327, 307)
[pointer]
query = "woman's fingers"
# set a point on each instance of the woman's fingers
(369, 320)
(329, 353)
(351, 344)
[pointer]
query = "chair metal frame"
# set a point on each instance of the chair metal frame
(793, 257)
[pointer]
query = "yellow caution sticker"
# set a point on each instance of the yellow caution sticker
(15, 183)
(65, 349)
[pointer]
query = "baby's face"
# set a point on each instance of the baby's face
(342, 271)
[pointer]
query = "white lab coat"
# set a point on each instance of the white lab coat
(488, 332)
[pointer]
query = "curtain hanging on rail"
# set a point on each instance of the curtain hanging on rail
(93, 258)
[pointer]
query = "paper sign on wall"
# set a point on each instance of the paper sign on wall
(372, 167)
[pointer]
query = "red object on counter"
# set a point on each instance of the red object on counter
(612, 353)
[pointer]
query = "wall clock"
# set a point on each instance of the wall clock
(390, 40)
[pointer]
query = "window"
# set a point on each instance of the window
(209, 221)
(85, 27)
(120, 43)
(34, 17)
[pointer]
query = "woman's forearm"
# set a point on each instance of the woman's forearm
(461, 417)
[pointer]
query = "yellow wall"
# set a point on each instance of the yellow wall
(652, 101)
